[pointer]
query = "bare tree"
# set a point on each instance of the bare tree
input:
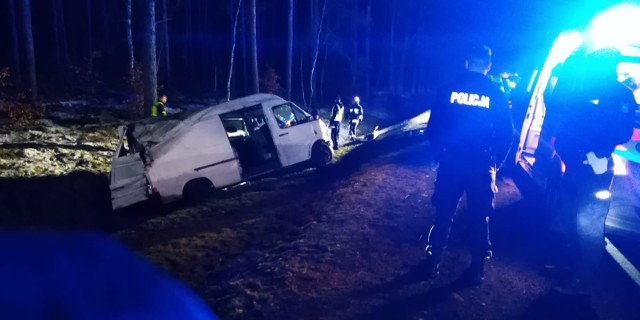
(165, 39)
(27, 36)
(355, 72)
(245, 54)
(15, 44)
(89, 36)
(233, 49)
(188, 47)
(400, 82)
(323, 72)
(314, 62)
(392, 44)
(368, 52)
(254, 49)
(130, 43)
(290, 50)
(302, 89)
(149, 67)
(60, 34)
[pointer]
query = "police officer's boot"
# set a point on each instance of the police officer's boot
(475, 274)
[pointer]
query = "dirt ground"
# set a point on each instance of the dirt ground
(340, 242)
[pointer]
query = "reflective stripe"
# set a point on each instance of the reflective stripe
(470, 99)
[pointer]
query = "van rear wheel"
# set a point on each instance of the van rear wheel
(197, 190)
(321, 154)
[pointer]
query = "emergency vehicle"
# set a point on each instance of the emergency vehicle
(216, 147)
(610, 28)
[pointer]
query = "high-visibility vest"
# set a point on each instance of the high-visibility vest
(338, 112)
(154, 109)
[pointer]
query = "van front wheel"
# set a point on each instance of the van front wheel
(321, 154)
(197, 190)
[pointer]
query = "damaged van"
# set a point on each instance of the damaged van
(183, 155)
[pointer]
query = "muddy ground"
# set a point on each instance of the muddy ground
(340, 242)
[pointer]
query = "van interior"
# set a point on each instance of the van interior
(251, 139)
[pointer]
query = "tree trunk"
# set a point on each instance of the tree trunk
(304, 98)
(149, 51)
(15, 44)
(312, 82)
(290, 50)
(107, 28)
(233, 49)
(60, 34)
(27, 37)
(215, 79)
(245, 54)
(313, 16)
(202, 40)
(188, 46)
(400, 82)
(367, 58)
(392, 49)
(89, 36)
(130, 44)
(254, 49)
(355, 71)
(322, 73)
(165, 39)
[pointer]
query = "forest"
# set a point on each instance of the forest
(307, 51)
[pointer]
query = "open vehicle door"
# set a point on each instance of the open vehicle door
(128, 181)
(295, 133)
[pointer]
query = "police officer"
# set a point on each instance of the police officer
(470, 131)
(159, 107)
(596, 114)
(337, 114)
(355, 116)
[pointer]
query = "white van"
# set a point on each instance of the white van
(535, 153)
(219, 146)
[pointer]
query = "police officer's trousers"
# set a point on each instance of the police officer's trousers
(335, 134)
(580, 218)
(479, 184)
(353, 126)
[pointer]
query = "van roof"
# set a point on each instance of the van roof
(237, 104)
(154, 130)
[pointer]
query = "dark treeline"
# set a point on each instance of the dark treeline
(309, 51)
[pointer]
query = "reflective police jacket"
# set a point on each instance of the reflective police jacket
(470, 122)
(337, 112)
(158, 107)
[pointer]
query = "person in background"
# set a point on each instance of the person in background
(355, 117)
(596, 113)
(337, 113)
(159, 107)
(470, 131)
